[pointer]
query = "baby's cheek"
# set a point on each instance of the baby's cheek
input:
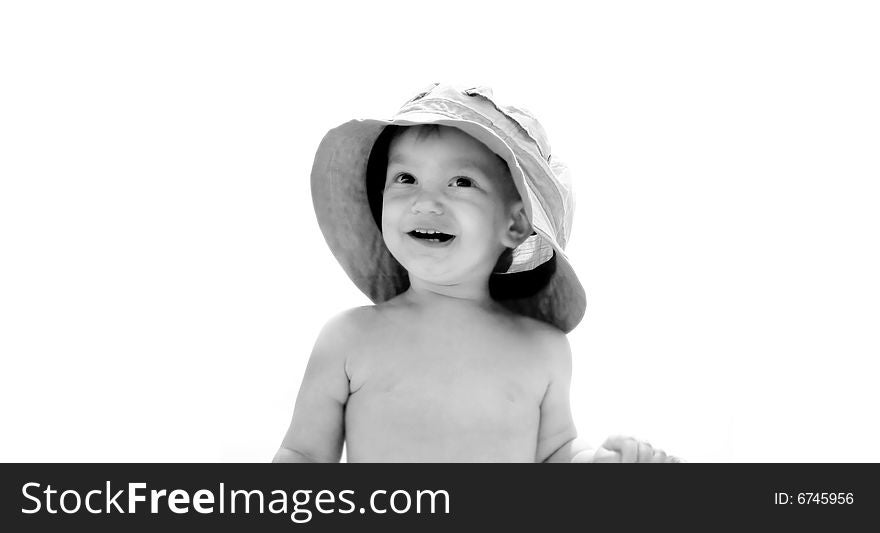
(390, 214)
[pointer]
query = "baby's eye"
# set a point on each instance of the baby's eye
(462, 181)
(404, 177)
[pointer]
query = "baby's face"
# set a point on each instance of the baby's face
(448, 206)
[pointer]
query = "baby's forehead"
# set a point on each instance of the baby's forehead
(455, 147)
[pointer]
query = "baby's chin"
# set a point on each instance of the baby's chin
(435, 269)
(450, 278)
(433, 276)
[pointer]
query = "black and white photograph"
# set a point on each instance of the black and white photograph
(439, 232)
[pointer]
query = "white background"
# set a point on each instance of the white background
(162, 276)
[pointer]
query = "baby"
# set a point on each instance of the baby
(464, 356)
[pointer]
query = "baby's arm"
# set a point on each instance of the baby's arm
(316, 432)
(557, 436)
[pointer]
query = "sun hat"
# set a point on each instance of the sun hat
(539, 281)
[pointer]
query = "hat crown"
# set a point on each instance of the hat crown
(488, 106)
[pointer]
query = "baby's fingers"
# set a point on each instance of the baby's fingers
(606, 456)
(659, 457)
(627, 447)
(645, 453)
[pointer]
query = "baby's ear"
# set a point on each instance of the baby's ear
(519, 228)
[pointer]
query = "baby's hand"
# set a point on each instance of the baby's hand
(619, 449)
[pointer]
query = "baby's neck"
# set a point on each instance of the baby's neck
(424, 295)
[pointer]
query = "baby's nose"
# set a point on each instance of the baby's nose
(427, 202)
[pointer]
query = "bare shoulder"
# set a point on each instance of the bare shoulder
(344, 329)
(549, 344)
(351, 320)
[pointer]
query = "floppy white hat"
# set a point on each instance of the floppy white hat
(539, 281)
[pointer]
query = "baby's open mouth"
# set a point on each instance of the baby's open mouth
(430, 235)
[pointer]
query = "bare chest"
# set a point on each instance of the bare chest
(448, 397)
